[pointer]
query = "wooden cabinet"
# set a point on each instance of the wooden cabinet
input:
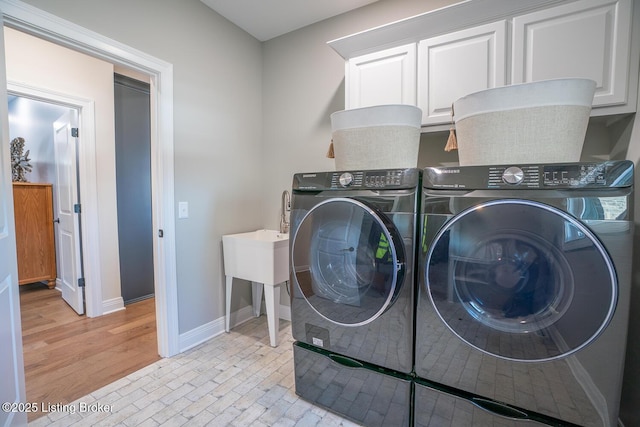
(384, 77)
(588, 38)
(457, 64)
(33, 205)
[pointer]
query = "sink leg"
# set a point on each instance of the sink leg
(229, 280)
(256, 296)
(272, 301)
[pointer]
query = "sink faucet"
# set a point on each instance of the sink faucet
(286, 207)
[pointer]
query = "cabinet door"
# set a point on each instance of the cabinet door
(457, 64)
(384, 77)
(588, 38)
(33, 205)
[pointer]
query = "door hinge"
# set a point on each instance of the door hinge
(76, 208)
(161, 233)
(75, 132)
(81, 282)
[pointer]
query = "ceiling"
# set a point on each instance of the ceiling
(266, 19)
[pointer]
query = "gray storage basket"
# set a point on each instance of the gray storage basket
(379, 137)
(540, 122)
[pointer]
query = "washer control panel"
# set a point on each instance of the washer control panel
(368, 179)
(389, 179)
(538, 176)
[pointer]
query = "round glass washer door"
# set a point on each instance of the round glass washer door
(521, 280)
(349, 260)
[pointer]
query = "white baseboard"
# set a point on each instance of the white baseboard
(200, 334)
(285, 312)
(212, 329)
(112, 305)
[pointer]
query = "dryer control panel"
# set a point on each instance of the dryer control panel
(383, 179)
(535, 176)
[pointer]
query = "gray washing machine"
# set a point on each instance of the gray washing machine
(352, 291)
(523, 292)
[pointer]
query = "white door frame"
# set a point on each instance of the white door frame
(31, 20)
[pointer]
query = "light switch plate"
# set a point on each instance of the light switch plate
(183, 210)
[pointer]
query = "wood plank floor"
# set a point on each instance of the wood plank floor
(67, 356)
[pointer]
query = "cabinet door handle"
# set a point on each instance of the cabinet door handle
(57, 220)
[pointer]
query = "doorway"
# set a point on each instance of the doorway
(64, 33)
(38, 121)
(45, 129)
(133, 185)
(160, 78)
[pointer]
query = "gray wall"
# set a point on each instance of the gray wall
(132, 102)
(303, 81)
(217, 129)
(247, 115)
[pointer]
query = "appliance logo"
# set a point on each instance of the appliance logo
(309, 175)
(449, 170)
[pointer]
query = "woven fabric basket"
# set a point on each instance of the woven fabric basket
(540, 122)
(379, 137)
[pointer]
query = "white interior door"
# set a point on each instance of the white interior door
(68, 227)
(12, 390)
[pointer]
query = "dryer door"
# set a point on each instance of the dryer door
(521, 280)
(348, 261)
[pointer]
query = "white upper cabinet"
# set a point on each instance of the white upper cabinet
(384, 77)
(480, 44)
(456, 64)
(587, 38)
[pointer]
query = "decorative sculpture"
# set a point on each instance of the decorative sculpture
(19, 162)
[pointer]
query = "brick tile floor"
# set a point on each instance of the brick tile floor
(234, 379)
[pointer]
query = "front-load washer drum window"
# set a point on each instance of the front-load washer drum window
(348, 261)
(521, 280)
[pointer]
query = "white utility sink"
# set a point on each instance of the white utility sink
(262, 257)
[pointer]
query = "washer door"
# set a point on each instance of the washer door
(348, 260)
(521, 280)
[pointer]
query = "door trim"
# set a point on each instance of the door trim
(36, 22)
